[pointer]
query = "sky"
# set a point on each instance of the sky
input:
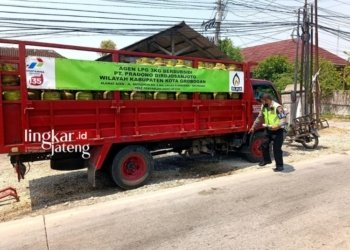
(87, 23)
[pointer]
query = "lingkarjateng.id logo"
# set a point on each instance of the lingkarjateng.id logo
(59, 142)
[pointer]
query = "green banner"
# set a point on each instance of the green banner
(93, 75)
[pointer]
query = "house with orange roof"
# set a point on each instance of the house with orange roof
(286, 48)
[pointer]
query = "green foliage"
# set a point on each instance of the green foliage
(282, 80)
(276, 69)
(226, 45)
(107, 44)
(347, 77)
(330, 116)
(330, 79)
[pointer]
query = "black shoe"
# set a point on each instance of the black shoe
(263, 163)
(278, 169)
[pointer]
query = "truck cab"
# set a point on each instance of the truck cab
(264, 86)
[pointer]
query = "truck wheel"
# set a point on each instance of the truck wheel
(253, 151)
(132, 167)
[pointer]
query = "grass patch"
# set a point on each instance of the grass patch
(330, 116)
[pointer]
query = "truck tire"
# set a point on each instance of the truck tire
(253, 151)
(132, 167)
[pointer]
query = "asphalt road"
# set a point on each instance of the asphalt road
(306, 207)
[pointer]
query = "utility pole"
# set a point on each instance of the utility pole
(296, 68)
(317, 65)
(307, 59)
(302, 61)
(311, 97)
(294, 105)
(218, 20)
(305, 76)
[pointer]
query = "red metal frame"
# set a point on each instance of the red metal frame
(121, 121)
(9, 191)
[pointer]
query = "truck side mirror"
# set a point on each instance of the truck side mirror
(293, 96)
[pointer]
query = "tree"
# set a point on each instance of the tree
(346, 77)
(282, 80)
(276, 69)
(226, 45)
(107, 44)
(330, 78)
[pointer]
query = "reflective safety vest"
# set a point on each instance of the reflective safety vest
(270, 115)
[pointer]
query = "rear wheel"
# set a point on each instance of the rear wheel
(132, 167)
(253, 151)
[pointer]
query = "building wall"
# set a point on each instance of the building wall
(338, 104)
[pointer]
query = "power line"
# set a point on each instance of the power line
(85, 11)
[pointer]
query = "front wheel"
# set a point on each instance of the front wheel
(310, 141)
(253, 151)
(132, 167)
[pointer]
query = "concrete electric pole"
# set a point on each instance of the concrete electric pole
(218, 20)
(317, 65)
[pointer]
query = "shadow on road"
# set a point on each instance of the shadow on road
(288, 169)
(301, 147)
(65, 187)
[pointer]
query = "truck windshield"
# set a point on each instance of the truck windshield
(260, 89)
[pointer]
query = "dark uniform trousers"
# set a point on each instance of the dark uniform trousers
(277, 138)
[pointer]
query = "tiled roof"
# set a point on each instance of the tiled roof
(286, 48)
(13, 52)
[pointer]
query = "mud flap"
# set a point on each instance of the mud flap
(97, 157)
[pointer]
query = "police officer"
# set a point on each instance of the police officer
(274, 119)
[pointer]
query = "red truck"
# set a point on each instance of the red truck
(118, 133)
